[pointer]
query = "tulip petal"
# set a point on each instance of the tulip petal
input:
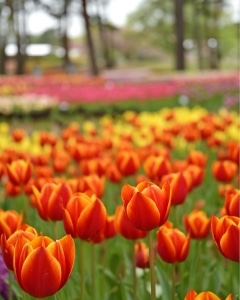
(127, 193)
(165, 246)
(41, 273)
(68, 248)
(143, 212)
(230, 242)
(91, 220)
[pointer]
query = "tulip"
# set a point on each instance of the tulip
(10, 221)
(42, 266)
(108, 231)
(172, 244)
(232, 203)
(147, 205)
(179, 185)
(156, 166)
(224, 171)
(12, 189)
(125, 227)
(128, 162)
(197, 158)
(28, 233)
(19, 171)
(193, 295)
(84, 216)
(91, 183)
(51, 201)
(18, 135)
(197, 224)
(141, 255)
(226, 236)
(113, 174)
(196, 173)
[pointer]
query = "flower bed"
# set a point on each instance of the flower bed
(140, 206)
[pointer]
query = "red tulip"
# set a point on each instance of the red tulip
(51, 201)
(84, 216)
(42, 266)
(18, 135)
(193, 295)
(172, 244)
(197, 224)
(232, 203)
(147, 205)
(8, 244)
(224, 171)
(141, 255)
(156, 166)
(128, 162)
(125, 227)
(10, 221)
(179, 185)
(226, 236)
(92, 184)
(19, 171)
(197, 158)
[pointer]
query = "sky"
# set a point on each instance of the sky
(116, 12)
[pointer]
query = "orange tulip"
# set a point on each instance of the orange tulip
(128, 162)
(141, 255)
(226, 236)
(224, 171)
(10, 221)
(125, 227)
(19, 171)
(179, 185)
(113, 174)
(147, 205)
(18, 134)
(197, 224)
(232, 203)
(84, 216)
(197, 158)
(91, 183)
(193, 295)
(12, 189)
(196, 173)
(8, 244)
(42, 266)
(108, 231)
(51, 201)
(156, 166)
(172, 244)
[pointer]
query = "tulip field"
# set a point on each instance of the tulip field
(113, 190)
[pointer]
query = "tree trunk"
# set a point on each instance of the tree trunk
(197, 36)
(104, 43)
(66, 59)
(179, 29)
(21, 37)
(91, 54)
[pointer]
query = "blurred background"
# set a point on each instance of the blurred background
(92, 36)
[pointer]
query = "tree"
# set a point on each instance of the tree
(91, 50)
(179, 31)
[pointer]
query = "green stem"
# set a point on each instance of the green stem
(175, 215)
(10, 292)
(55, 231)
(134, 273)
(93, 270)
(82, 269)
(173, 280)
(152, 271)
